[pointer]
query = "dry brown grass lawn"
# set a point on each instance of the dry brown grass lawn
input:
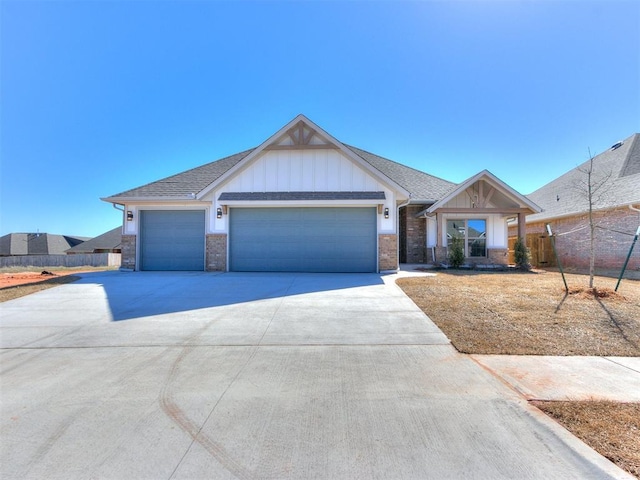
(529, 313)
(612, 429)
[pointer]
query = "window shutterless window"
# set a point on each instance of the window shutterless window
(473, 234)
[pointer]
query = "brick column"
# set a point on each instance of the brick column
(217, 252)
(387, 252)
(441, 255)
(416, 234)
(128, 252)
(498, 256)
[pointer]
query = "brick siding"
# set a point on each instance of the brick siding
(611, 247)
(217, 252)
(128, 252)
(415, 237)
(496, 256)
(387, 252)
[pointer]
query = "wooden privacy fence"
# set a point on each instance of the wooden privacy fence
(78, 260)
(540, 248)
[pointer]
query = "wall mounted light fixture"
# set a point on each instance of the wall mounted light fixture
(219, 213)
(386, 213)
(129, 215)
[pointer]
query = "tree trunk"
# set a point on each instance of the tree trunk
(592, 227)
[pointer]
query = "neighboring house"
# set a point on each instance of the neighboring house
(616, 195)
(304, 201)
(14, 244)
(108, 242)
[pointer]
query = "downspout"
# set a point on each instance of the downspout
(115, 205)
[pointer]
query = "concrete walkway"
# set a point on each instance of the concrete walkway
(265, 376)
(568, 378)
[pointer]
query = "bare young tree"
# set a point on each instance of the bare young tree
(593, 186)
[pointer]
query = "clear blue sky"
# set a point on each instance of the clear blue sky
(99, 97)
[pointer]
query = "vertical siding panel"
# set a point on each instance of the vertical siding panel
(271, 173)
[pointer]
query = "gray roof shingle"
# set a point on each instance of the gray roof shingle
(186, 183)
(618, 169)
(422, 186)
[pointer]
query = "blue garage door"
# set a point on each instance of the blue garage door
(303, 240)
(172, 240)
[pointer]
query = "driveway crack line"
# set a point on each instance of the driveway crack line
(621, 364)
(190, 427)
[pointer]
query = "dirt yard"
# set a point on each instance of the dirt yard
(15, 282)
(529, 313)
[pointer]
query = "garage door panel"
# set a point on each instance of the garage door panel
(172, 240)
(303, 239)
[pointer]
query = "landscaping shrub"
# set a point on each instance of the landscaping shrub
(522, 255)
(456, 252)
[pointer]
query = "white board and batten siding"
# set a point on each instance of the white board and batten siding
(313, 170)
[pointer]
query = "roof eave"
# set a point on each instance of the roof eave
(129, 200)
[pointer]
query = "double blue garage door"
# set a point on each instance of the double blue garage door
(265, 240)
(303, 240)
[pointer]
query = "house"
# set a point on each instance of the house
(14, 244)
(616, 207)
(108, 242)
(304, 201)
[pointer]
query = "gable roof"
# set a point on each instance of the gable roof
(618, 169)
(110, 240)
(301, 133)
(196, 182)
(37, 244)
(492, 179)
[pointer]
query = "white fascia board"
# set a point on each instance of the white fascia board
(341, 147)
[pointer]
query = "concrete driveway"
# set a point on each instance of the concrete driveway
(257, 376)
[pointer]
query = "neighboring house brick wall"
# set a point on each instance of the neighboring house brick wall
(387, 252)
(416, 234)
(128, 252)
(217, 252)
(611, 247)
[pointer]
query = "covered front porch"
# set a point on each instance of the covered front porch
(475, 214)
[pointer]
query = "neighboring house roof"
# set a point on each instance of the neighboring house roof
(37, 244)
(422, 187)
(110, 240)
(616, 174)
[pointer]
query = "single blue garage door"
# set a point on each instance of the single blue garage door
(303, 239)
(172, 240)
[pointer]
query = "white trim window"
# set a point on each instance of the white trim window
(473, 233)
